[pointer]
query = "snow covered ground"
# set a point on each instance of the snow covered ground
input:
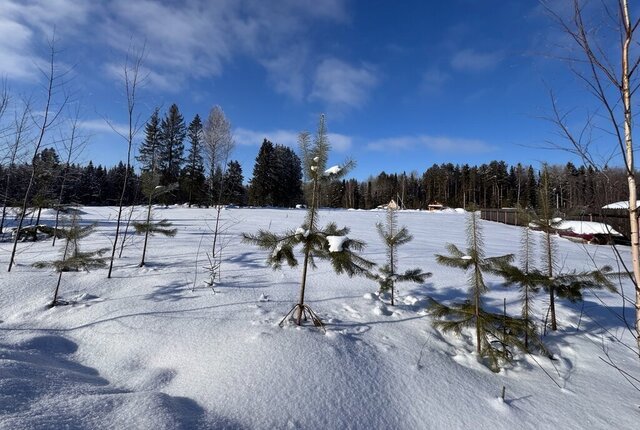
(146, 350)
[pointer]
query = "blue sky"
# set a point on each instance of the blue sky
(403, 84)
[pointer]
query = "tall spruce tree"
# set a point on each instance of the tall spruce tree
(173, 133)
(234, 191)
(330, 243)
(150, 149)
(194, 169)
(264, 173)
(287, 185)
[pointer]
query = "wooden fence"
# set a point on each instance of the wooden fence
(616, 218)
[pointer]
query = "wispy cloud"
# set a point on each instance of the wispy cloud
(434, 143)
(433, 80)
(101, 126)
(243, 136)
(470, 60)
(25, 25)
(184, 40)
(343, 85)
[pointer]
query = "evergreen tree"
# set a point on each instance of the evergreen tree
(173, 133)
(233, 188)
(394, 237)
(150, 149)
(331, 243)
(494, 332)
(194, 170)
(73, 260)
(264, 173)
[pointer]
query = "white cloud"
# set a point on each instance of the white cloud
(434, 143)
(341, 84)
(469, 60)
(25, 27)
(187, 39)
(197, 38)
(243, 136)
(101, 126)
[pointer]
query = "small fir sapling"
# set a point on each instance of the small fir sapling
(151, 189)
(557, 284)
(387, 276)
(529, 280)
(330, 243)
(494, 332)
(73, 260)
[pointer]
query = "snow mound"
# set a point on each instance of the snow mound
(588, 227)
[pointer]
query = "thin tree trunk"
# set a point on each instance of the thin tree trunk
(46, 123)
(131, 84)
(631, 180)
(146, 233)
(307, 250)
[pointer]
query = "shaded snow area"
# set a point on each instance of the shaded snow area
(147, 350)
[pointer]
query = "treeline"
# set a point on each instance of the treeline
(490, 185)
(277, 181)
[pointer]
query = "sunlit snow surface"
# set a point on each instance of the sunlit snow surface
(147, 350)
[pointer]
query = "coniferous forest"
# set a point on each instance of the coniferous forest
(276, 181)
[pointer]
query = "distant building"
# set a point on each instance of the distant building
(435, 206)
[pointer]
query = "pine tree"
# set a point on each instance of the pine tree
(494, 332)
(173, 133)
(530, 280)
(233, 189)
(149, 152)
(73, 260)
(194, 170)
(330, 243)
(394, 237)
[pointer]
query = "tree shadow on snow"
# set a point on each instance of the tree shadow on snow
(171, 292)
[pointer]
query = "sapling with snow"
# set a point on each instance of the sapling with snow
(329, 243)
(387, 276)
(73, 260)
(494, 332)
(151, 189)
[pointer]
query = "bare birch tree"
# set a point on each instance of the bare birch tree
(132, 78)
(73, 144)
(16, 143)
(611, 77)
(218, 144)
(54, 103)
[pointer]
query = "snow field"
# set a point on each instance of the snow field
(146, 350)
